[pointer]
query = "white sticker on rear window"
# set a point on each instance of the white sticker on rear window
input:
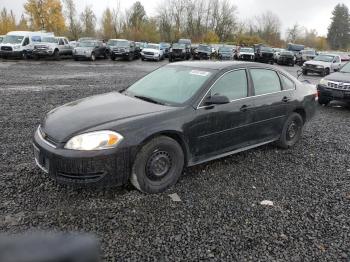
(199, 73)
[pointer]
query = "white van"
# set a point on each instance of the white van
(20, 43)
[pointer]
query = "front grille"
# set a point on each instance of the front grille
(311, 66)
(148, 53)
(339, 85)
(40, 47)
(6, 48)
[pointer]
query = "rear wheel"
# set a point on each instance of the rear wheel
(158, 165)
(292, 131)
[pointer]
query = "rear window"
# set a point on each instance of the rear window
(265, 81)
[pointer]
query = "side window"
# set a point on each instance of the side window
(265, 81)
(61, 42)
(337, 59)
(26, 41)
(234, 85)
(287, 83)
(66, 41)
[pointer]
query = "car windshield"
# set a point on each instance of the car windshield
(324, 58)
(153, 46)
(49, 40)
(12, 39)
(247, 50)
(308, 52)
(178, 46)
(87, 44)
(266, 49)
(185, 41)
(225, 49)
(204, 48)
(118, 43)
(345, 68)
(173, 85)
(287, 53)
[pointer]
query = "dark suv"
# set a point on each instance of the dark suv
(123, 48)
(179, 52)
(203, 52)
(335, 86)
(263, 54)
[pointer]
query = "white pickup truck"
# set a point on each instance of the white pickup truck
(323, 64)
(52, 47)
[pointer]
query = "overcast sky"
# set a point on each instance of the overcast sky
(313, 14)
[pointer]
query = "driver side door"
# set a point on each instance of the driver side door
(218, 129)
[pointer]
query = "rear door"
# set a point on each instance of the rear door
(270, 104)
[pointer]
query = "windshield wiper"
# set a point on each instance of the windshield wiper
(148, 99)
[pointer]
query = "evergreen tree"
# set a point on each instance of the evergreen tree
(339, 30)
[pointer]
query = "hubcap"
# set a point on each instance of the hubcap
(158, 165)
(292, 130)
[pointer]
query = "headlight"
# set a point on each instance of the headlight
(94, 141)
(17, 47)
(183, 51)
(324, 82)
(170, 50)
(142, 53)
(320, 67)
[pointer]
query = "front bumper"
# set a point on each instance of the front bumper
(150, 57)
(11, 53)
(42, 52)
(313, 69)
(98, 168)
(333, 94)
(285, 60)
(121, 54)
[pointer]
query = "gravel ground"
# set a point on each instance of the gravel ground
(219, 218)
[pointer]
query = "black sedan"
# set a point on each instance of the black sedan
(335, 86)
(180, 115)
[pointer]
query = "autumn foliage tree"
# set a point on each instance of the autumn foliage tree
(7, 21)
(74, 29)
(108, 31)
(46, 15)
(88, 22)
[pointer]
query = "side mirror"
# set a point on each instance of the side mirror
(217, 100)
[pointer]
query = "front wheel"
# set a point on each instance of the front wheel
(158, 165)
(292, 131)
(323, 101)
(93, 57)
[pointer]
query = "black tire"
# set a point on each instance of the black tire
(305, 72)
(76, 58)
(130, 57)
(56, 54)
(170, 59)
(326, 72)
(112, 57)
(93, 57)
(292, 131)
(323, 101)
(142, 58)
(158, 165)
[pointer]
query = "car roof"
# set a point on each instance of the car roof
(219, 65)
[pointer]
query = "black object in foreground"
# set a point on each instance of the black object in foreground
(49, 247)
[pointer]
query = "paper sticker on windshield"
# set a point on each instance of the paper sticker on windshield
(199, 73)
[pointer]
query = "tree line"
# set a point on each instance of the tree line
(211, 21)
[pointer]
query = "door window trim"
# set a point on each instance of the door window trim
(230, 71)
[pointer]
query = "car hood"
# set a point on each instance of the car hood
(46, 44)
(339, 77)
(150, 50)
(79, 48)
(319, 63)
(76, 117)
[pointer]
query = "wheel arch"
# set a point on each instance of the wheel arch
(176, 135)
(301, 111)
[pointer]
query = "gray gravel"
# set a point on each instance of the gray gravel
(219, 217)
